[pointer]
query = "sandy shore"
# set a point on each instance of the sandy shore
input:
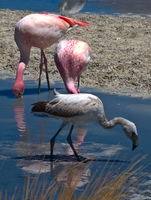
(121, 52)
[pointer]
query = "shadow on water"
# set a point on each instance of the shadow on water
(67, 158)
(30, 89)
(7, 93)
(64, 170)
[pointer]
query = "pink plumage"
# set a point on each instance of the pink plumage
(71, 58)
(41, 31)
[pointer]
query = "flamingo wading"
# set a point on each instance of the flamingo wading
(71, 58)
(41, 31)
(78, 109)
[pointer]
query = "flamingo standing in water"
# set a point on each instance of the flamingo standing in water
(71, 58)
(41, 31)
(78, 109)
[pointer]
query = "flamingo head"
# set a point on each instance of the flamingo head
(18, 87)
(70, 86)
(131, 132)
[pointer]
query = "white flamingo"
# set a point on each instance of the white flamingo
(78, 109)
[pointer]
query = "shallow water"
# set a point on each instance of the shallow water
(24, 138)
(111, 7)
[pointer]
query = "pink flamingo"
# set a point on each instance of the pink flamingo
(71, 58)
(41, 31)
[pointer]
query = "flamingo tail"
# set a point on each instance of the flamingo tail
(73, 22)
(70, 21)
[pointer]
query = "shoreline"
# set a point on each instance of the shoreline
(121, 52)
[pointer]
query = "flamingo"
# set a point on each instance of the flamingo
(39, 30)
(71, 6)
(78, 109)
(71, 58)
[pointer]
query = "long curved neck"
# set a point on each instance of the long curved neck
(20, 71)
(23, 43)
(25, 55)
(112, 123)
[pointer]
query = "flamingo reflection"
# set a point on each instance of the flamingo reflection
(80, 133)
(23, 127)
(67, 174)
(71, 174)
(19, 109)
(71, 6)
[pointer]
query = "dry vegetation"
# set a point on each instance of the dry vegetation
(113, 185)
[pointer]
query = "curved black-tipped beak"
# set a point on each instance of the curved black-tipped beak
(134, 147)
(135, 142)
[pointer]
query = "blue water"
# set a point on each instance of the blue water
(25, 135)
(82, 6)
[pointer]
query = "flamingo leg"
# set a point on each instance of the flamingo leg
(46, 69)
(52, 142)
(40, 67)
(78, 89)
(70, 143)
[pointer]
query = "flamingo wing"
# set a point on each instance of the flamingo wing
(73, 22)
(67, 106)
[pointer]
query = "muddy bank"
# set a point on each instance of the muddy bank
(121, 52)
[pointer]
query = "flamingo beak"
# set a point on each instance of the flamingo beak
(135, 142)
(20, 96)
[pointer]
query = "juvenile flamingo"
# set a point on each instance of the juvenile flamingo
(41, 31)
(71, 58)
(78, 109)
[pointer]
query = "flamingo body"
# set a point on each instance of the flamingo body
(81, 108)
(71, 58)
(41, 31)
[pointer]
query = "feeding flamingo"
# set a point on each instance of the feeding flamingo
(78, 109)
(41, 31)
(71, 58)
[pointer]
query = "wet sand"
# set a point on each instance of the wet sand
(121, 52)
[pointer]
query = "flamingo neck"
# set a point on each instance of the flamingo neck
(112, 123)
(71, 88)
(20, 71)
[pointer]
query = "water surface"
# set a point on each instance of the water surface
(112, 7)
(25, 135)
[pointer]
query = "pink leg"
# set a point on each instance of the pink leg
(40, 67)
(46, 69)
(78, 89)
